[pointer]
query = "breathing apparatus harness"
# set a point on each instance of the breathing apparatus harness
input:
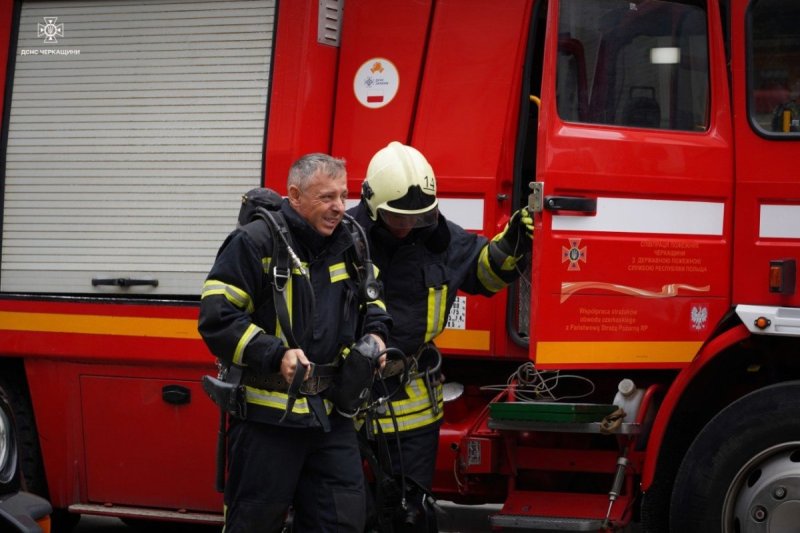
(351, 380)
(393, 493)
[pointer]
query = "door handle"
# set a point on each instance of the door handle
(176, 394)
(575, 204)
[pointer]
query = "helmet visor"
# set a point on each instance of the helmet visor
(409, 221)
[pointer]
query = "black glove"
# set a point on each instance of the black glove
(353, 383)
(368, 347)
(516, 239)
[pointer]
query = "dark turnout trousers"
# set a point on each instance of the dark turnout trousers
(272, 467)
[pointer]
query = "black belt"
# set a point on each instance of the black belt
(425, 364)
(418, 363)
(320, 377)
(393, 367)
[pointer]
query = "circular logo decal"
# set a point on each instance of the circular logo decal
(376, 83)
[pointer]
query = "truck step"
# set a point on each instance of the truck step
(542, 523)
(146, 513)
(558, 511)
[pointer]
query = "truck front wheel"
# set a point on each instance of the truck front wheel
(25, 441)
(9, 465)
(742, 472)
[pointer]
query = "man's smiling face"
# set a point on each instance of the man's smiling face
(322, 202)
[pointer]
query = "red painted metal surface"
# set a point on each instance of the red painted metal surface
(175, 457)
(766, 174)
(96, 368)
(300, 111)
(378, 30)
(103, 331)
(107, 436)
(531, 503)
(626, 297)
(97, 398)
(674, 394)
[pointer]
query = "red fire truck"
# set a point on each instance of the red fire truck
(656, 141)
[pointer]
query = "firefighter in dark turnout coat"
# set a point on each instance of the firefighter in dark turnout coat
(424, 260)
(307, 455)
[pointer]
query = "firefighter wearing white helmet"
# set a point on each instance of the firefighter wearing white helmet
(401, 189)
(424, 261)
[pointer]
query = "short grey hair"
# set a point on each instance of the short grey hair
(304, 169)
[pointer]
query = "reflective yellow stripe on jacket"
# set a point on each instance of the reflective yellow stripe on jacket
(437, 301)
(486, 275)
(338, 272)
(251, 331)
(413, 412)
(233, 294)
(278, 400)
(287, 297)
(241, 300)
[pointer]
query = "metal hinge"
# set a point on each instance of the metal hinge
(536, 197)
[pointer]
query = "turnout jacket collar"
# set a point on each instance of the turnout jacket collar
(435, 238)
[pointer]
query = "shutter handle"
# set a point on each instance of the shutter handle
(123, 282)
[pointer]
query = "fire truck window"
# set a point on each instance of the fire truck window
(774, 71)
(638, 63)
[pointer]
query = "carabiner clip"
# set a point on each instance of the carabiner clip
(280, 279)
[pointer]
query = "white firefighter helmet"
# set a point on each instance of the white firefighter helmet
(400, 187)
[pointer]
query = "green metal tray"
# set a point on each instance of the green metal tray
(549, 411)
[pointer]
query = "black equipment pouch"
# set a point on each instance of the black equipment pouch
(227, 392)
(352, 386)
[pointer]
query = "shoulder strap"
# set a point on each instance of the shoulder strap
(280, 268)
(281, 272)
(368, 287)
(358, 242)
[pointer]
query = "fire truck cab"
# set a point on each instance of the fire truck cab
(643, 370)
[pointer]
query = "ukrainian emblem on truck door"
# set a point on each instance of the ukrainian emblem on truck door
(574, 254)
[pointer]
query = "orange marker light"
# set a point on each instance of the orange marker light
(762, 322)
(782, 274)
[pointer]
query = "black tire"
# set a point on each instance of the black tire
(32, 477)
(742, 472)
(12, 386)
(9, 460)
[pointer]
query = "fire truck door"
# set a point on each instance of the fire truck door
(633, 185)
(766, 96)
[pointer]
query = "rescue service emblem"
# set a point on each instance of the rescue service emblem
(575, 254)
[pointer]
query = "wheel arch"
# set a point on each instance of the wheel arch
(731, 365)
(14, 384)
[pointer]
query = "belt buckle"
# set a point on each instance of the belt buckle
(311, 386)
